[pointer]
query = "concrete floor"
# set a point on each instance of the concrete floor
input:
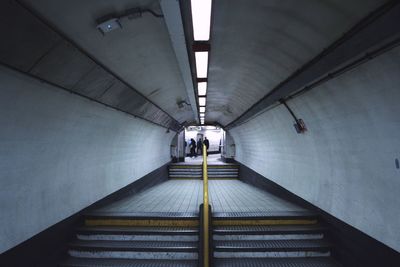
(186, 196)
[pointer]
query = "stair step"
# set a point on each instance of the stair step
(185, 171)
(267, 237)
(222, 175)
(171, 250)
(142, 219)
(138, 230)
(223, 166)
(301, 214)
(186, 167)
(272, 245)
(93, 262)
(186, 175)
(223, 178)
(268, 229)
(277, 262)
(223, 170)
(155, 246)
(227, 177)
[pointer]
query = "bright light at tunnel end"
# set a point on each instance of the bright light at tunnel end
(201, 16)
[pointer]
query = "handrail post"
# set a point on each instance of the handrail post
(206, 243)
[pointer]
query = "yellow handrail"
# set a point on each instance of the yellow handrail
(205, 208)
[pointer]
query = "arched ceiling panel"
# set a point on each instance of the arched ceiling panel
(140, 53)
(257, 44)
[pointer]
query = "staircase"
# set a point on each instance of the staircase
(223, 171)
(115, 240)
(273, 240)
(184, 171)
(279, 235)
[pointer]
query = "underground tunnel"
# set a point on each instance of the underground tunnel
(292, 106)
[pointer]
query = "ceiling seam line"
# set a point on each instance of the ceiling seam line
(84, 96)
(359, 26)
(329, 76)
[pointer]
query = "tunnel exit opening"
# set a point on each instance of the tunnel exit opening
(186, 146)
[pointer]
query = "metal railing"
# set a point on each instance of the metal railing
(206, 213)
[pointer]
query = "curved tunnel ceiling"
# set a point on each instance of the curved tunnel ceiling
(255, 45)
(140, 53)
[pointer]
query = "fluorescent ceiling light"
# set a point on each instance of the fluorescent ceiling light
(202, 88)
(202, 109)
(202, 101)
(201, 16)
(202, 115)
(201, 63)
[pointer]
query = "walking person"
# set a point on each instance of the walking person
(192, 147)
(207, 144)
(199, 147)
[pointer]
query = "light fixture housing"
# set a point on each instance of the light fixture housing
(202, 88)
(201, 63)
(201, 19)
(202, 101)
(109, 25)
(202, 109)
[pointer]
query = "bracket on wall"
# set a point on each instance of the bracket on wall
(299, 124)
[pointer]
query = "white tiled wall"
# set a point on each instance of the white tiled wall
(345, 163)
(60, 153)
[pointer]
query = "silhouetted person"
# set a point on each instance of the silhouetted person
(199, 147)
(206, 143)
(192, 147)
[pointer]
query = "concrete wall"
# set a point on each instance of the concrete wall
(60, 153)
(345, 163)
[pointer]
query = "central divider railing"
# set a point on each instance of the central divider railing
(205, 218)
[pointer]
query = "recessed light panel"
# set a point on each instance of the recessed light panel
(201, 16)
(202, 101)
(201, 63)
(202, 88)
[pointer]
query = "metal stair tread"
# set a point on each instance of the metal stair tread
(183, 176)
(298, 214)
(95, 262)
(141, 215)
(267, 229)
(186, 170)
(112, 230)
(277, 262)
(102, 245)
(272, 245)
